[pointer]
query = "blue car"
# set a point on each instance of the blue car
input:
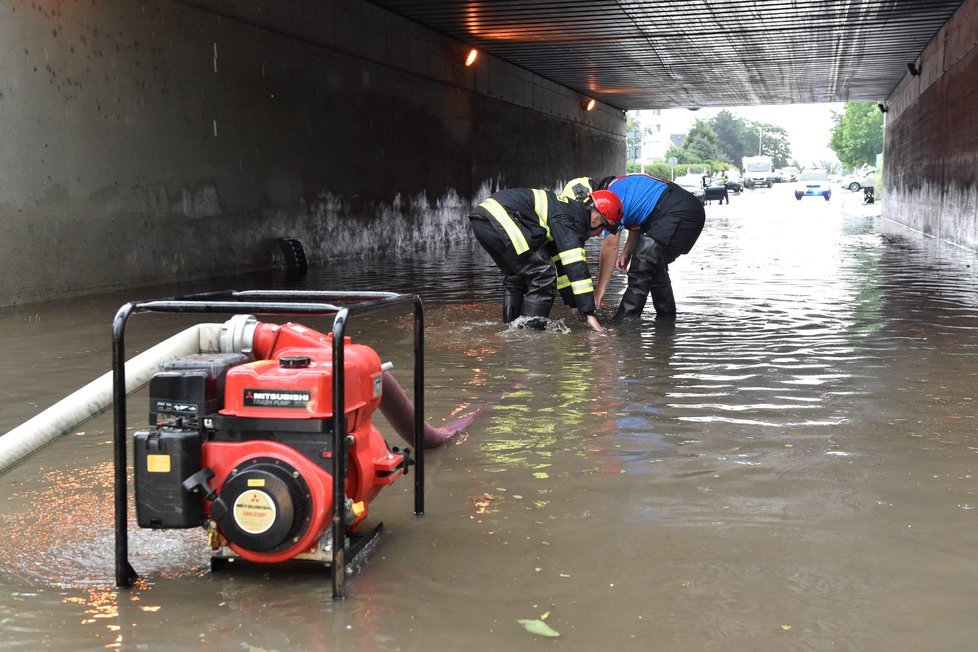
(813, 183)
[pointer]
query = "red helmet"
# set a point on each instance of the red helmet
(610, 208)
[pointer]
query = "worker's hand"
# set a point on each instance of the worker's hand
(621, 263)
(598, 296)
(593, 324)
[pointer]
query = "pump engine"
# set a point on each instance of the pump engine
(241, 443)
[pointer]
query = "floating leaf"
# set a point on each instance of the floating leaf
(538, 627)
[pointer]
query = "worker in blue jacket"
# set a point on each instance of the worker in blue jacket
(536, 238)
(663, 221)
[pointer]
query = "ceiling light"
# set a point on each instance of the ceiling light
(471, 57)
(912, 69)
(589, 104)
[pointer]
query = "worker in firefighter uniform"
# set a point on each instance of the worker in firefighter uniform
(536, 238)
(664, 222)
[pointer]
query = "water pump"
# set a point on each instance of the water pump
(241, 443)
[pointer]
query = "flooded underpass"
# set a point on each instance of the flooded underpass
(790, 465)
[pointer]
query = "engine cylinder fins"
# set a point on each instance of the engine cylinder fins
(267, 506)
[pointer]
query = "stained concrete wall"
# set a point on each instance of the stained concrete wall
(931, 147)
(157, 141)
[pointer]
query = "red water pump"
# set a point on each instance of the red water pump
(243, 446)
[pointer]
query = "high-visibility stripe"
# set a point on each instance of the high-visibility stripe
(562, 282)
(509, 226)
(571, 256)
(582, 287)
(542, 206)
(556, 258)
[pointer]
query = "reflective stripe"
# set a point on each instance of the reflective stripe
(582, 287)
(555, 258)
(512, 230)
(571, 256)
(562, 282)
(541, 206)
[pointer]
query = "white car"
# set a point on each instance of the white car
(813, 183)
(693, 183)
(857, 181)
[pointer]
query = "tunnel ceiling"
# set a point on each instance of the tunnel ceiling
(641, 54)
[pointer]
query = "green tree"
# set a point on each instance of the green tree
(737, 138)
(857, 136)
(731, 134)
(773, 142)
(701, 143)
(679, 153)
(829, 166)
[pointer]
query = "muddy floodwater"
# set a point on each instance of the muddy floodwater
(792, 465)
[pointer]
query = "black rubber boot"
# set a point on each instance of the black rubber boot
(662, 298)
(541, 284)
(537, 312)
(512, 305)
(514, 288)
(648, 273)
(537, 306)
(632, 304)
(640, 278)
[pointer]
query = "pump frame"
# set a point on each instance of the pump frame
(272, 302)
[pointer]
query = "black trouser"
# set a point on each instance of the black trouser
(648, 273)
(529, 280)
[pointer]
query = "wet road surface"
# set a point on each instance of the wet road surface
(790, 466)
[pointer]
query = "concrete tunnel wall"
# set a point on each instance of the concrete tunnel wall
(157, 141)
(931, 145)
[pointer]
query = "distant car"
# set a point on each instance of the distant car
(693, 183)
(813, 183)
(717, 189)
(790, 174)
(857, 181)
(778, 176)
(734, 182)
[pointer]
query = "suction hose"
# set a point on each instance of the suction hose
(245, 334)
(398, 409)
(234, 335)
(94, 397)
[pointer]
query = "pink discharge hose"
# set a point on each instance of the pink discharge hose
(399, 411)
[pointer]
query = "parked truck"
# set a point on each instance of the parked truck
(758, 171)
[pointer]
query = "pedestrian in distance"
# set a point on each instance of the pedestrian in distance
(664, 222)
(536, 238)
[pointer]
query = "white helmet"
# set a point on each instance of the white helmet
(579, 189)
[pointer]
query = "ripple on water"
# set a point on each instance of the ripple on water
(73, 546)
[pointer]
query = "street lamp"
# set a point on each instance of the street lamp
(760, 133)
